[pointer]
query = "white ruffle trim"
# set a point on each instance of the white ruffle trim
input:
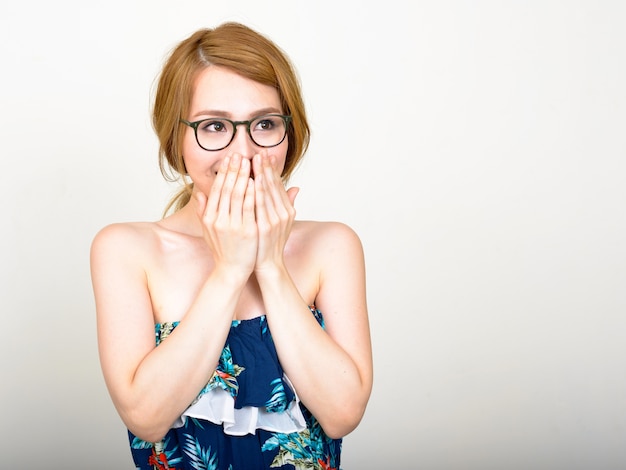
(218, 407)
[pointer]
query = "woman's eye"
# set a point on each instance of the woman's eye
(213, 126)
(265, 124)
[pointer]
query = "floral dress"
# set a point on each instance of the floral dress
(247, 417)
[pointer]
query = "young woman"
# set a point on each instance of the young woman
(261, 355)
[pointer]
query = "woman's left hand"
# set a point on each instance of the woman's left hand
(275, 212)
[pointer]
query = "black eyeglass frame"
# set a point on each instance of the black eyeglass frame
(194, 125)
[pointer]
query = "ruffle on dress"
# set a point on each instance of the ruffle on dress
(249, 389)
(217, 407)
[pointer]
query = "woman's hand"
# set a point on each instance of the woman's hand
(275, 212)
(228, 216)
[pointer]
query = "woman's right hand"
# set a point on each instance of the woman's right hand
(227, 216)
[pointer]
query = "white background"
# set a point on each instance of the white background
(478, 148)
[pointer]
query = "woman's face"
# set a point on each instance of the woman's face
(221, 93)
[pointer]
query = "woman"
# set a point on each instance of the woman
(228, 266)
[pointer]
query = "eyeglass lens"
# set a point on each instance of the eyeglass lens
(265, 131)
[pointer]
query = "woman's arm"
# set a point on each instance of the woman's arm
(151, 386)
(331, 369)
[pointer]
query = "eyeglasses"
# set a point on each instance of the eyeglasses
(215, 134)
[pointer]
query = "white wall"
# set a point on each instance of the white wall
(477, 147)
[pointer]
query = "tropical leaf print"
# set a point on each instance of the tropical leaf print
(159, 462)
(197, 423)
(225, 375)
(278, 402)
(160, 459)
(292, 449)
(199, 458)
(140, 444)
(304, 450)
(163, 330)
(169, 452)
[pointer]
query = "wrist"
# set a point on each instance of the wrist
(231, 275)
(270, 273)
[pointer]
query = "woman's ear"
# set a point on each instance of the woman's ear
(292, 193)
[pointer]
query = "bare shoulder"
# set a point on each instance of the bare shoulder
(126, 240)
(329, 234)
(328, 241)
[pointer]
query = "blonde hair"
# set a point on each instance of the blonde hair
(246, 52)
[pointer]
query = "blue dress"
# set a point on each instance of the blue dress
(247, 417)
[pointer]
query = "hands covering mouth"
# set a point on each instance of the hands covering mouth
(246, 223)
(251, 166)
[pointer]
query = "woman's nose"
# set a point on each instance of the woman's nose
(242, 143)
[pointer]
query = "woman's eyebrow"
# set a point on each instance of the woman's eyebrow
(229, 115)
